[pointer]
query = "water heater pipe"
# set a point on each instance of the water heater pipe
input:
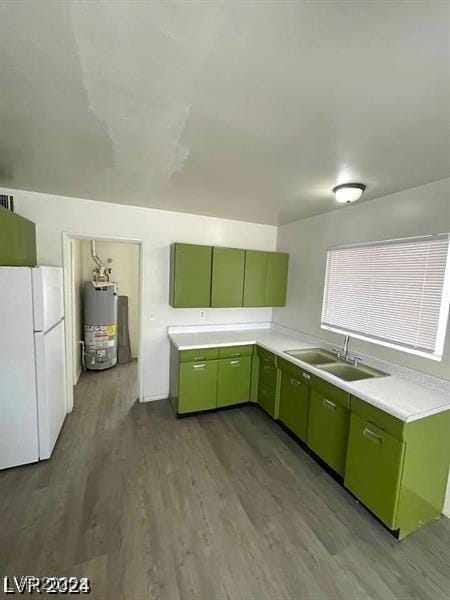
(94, 254)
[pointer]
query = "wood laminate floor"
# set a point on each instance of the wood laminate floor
(219, 506)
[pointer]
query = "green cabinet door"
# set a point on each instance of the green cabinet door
(374, 467)
(233, 381)
(190, 276)
(17, 240)
(267, 386)
(328, 425)
(294, 404)
(255, 278)
(227, 277)
(276, 279)
(197, 388)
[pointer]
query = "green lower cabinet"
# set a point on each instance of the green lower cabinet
(374, 468)
(328, 425)
(233, 381)
(267, 386)
(294, 404)
(398, 469)
(197, 389)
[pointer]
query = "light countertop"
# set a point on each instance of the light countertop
(399, 397)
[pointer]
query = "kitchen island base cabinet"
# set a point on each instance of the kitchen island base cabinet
(233, 381)
(294, 404)
(328, 426)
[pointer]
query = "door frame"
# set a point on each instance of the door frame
(68, 303)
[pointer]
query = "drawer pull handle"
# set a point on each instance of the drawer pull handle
(267, 360)
(306, 376)
(200, 366)
(295, 381)
(373, 422)
(328, 404)
(236, 354)
(235, 362)
(371, 435)
(267, 367)
(199, 357)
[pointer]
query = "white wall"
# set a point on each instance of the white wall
(54, 215)
(417, 211)
(77, 282)
(125, 271)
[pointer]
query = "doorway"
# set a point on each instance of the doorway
(125, 259)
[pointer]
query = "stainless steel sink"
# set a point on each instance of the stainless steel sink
(351, 373)
(313, 356)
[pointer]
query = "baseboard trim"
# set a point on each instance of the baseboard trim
(154, 398)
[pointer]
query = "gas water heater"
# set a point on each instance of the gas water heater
(100, 318)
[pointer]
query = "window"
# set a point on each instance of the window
(394, 293)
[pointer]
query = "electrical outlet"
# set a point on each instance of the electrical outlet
(202, 314)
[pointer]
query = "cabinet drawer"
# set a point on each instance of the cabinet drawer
(235, 351)
(199, 354)
(374, 467)
(294, 404)
(328, 425)
(377, 417)
(266, 356)
(333, 393)
(197, 386)
(290, 368)
(233, 381)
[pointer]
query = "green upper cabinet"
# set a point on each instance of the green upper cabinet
(190, 282)
(203, 276)
(276, 279)
(255, 278)
(227, 277)
(265, 279)
(17, 240)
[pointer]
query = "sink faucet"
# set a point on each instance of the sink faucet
(344, 352)
(345, 348)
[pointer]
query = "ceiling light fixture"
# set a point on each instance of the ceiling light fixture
(348, 192)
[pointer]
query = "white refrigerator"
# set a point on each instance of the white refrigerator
(33, 401)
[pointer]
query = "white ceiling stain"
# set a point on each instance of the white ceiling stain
(249, 110)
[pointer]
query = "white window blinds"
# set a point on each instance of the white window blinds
(395, 293)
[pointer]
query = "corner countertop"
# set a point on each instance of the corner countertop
(399, 397)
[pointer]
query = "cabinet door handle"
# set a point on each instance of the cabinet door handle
(266, 360)
(235, 362)
(295, 381)
(267, 367)
(200, 366)
(199, 357)
(371, 435)
(306, 376)
(328, 404)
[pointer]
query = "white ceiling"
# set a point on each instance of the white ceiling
(245, 110)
